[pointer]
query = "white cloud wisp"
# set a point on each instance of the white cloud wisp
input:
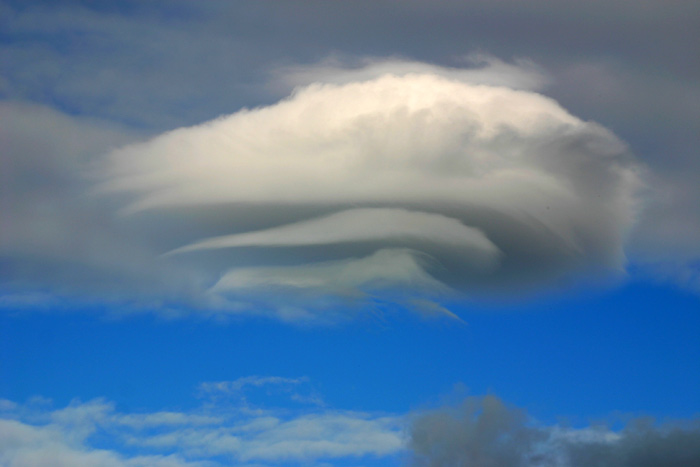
(217, 433)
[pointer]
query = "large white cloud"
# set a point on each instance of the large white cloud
(416, 138)
(397, 183)
(496, 187)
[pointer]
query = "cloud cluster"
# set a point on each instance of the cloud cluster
(217, 433)
(30, 436)
(486, 432)
(420, 181)
(480, 431)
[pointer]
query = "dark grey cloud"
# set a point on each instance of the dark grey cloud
(56, 239)
(641, 444)
(481, 432)
(485, 432)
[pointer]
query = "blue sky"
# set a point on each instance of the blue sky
(368, 233)
(582, 357)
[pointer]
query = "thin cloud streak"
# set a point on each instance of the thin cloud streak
(359, 225)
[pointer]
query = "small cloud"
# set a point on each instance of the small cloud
(252, 391)
(431, 309)
(236, 386)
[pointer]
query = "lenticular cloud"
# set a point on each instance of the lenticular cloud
(383, 183)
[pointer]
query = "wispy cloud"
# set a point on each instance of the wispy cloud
(297, 390)
(214, 434)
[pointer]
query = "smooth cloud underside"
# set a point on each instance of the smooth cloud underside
(394, 182)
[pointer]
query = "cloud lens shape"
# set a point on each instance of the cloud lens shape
(501, 188)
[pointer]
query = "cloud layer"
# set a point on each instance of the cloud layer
(479, 431)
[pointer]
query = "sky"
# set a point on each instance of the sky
(364, 233)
